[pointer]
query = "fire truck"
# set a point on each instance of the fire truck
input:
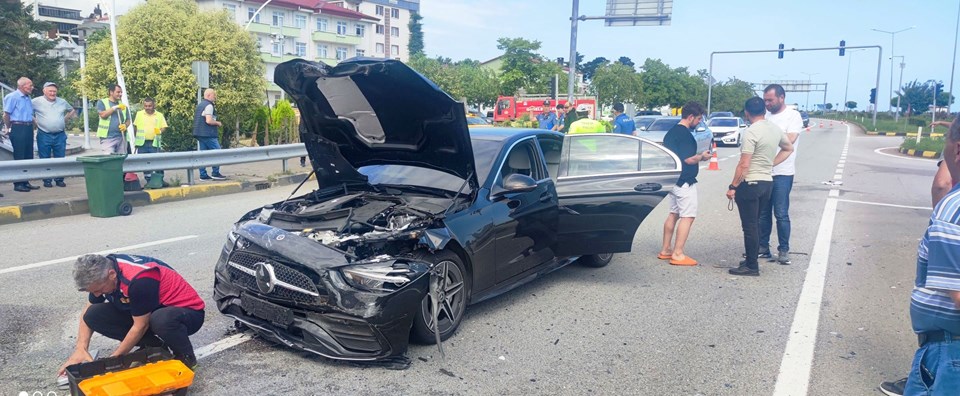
(509, 108)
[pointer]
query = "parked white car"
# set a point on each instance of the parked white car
(727, 131)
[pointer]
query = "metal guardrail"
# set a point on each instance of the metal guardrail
(14, 171)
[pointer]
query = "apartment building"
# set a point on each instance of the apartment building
(391, 34)
(290, 29)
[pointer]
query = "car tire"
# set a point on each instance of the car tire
(596, 260)
(456, 294)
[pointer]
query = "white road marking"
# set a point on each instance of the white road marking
(886, 204)
(899, 157)
(222, 345)
(732, 156)
(794, 375)
(834, 193)
(114, 250)
(840, 166)
(838, 177)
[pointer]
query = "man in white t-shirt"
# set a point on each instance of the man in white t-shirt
(790, 121)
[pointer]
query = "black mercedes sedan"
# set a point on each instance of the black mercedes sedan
(415, 217)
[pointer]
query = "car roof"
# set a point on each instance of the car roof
(503, 134)
(724, 118)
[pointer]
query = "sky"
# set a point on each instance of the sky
(461, 29)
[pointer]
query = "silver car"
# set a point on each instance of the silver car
(656, 131)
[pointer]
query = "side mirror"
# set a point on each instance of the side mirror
(516, 183)
(701, 129)
(643, 128)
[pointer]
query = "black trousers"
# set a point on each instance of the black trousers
(21, 138)
(169, 326)
(750, 197)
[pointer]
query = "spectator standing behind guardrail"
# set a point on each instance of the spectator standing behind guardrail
(621, 122)
(205, 130)
(753, 179)
(51, 114)
(149, 125)
(114, 120)
(18, 120)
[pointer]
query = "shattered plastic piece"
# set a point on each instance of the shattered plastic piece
(502, 358)
(390, 363)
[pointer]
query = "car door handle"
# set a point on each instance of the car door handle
(546, 197)
(648, 187)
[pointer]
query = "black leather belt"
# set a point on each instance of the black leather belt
(936, 336)
(21, 123)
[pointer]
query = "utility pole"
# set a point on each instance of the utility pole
(952, 65)
(903, 64)
(892, 37)
(574, 17)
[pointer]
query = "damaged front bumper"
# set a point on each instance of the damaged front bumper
(307, 303)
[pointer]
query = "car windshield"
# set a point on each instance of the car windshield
(476, 121)
(644, 122)
(723, 122)
(663, 124)
(484, 153)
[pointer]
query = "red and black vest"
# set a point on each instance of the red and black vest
(174, 290)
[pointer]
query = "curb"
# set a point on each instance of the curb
(38, 211)
(916, 153)
(907, 134)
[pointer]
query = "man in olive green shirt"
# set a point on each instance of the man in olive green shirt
(753, 178)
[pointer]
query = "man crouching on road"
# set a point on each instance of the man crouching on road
(935, 301)
(139, 301)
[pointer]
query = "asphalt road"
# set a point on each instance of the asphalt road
(637, 326)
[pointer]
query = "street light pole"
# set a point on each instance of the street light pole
(892, 37)
(807, 106)
(900, 87)
(573, 50)
(954, 64)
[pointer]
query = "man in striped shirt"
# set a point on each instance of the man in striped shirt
(935, 301)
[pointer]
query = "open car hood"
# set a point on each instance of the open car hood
(375, 112)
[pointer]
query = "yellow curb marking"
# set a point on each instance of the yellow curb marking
(10, 213)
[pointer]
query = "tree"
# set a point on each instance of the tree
(623, 60)
(829, 106)
(663, 85)
(919, 97)
(523, 67)
(851, 105)
(159, 67)
(24, 52)
(617, 83)
(415, 47)
(731, 95)
(463, 80)
(591, 67)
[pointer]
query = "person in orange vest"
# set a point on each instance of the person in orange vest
(137, 300)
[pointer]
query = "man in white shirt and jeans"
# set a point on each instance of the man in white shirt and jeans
(791, 123)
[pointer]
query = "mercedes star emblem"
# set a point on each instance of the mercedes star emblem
(266, 279)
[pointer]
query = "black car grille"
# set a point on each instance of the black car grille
(719, 135)
(284, 273)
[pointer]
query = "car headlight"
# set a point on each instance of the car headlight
(386, 276)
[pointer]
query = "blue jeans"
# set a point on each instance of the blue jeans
(779, 206)
(935, 370)
(148, 148)
(51, 143)
(209, 143)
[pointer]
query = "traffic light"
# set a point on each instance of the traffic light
(843, 43)
(873, 96)
(780, 53)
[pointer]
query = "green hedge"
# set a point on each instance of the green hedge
(925, 144)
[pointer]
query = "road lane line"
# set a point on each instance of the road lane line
(222, 345)
(114, 250)
(886, 204)
(899, 157)
(794, 375)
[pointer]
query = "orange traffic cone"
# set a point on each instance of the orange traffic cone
(821, 124)
(714, 162)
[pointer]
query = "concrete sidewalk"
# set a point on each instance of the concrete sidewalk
(72, 199)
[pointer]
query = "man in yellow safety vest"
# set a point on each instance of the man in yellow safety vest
(149, 124)
(114, 120)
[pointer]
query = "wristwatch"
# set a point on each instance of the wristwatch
(732, 187)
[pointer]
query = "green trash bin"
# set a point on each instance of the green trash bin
(104, 177)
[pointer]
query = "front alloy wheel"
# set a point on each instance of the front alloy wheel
(449, 278)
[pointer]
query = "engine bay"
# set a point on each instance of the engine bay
(361, 225)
